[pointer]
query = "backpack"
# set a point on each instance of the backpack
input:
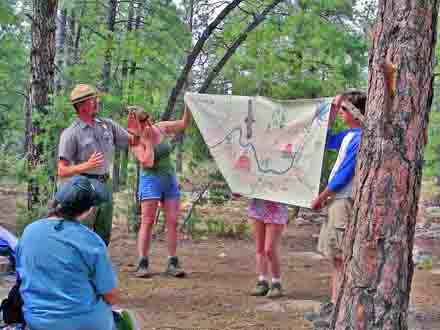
(124, 320)
(11, 306)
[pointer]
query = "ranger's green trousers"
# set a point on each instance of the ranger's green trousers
(100, 221)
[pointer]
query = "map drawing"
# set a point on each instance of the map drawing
(265, 148)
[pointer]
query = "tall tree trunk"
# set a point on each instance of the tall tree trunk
(78, 34)
(60, 41)
(141, 6)
(188, 83)
(378, 266)
(106, 69)
(106, 77)
(42, 78)
(70, 38)
(124, 78)
(27, 110)
(69, 47)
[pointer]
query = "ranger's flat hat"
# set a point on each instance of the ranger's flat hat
(83, 92)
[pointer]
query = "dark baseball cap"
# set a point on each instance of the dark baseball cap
(79, 194)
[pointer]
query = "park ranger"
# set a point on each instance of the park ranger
(87, 148)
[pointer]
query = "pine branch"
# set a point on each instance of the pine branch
(191, 58)
(240, 39)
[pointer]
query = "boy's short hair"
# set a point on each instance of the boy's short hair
(357, 98)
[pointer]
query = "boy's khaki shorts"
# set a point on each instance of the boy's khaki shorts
(332, 231)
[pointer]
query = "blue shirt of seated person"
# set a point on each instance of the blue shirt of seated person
(65, 270)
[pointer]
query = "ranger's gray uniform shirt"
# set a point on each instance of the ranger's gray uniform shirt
(79, 141)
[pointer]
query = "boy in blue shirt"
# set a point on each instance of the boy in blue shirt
(339, 188)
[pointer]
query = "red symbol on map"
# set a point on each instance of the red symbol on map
(288, 151)
(243, 163)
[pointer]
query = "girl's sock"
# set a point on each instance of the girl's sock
(262, 277)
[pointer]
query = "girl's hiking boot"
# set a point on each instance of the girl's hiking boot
(261, 289)
(275, 291)
(142, 268)
(173, 268)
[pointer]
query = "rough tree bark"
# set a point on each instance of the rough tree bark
(42, 78)
(193, 56)
(378, 267)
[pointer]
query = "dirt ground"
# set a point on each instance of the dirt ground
(221, 272)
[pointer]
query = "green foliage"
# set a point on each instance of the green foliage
(193, 223)
(13, 57)
(304, 51)
(301, 55)
(7, 16)
(149, 56)
(432, 150)
(201, 227)
(219, 195)
(25, 217)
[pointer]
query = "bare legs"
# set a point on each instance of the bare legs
(260, 235)
(267, 241)
(148, 215)
(171, 212)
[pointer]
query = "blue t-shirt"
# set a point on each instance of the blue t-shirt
(65, 270)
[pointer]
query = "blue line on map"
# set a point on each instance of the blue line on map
(322, 109)
(251, 145)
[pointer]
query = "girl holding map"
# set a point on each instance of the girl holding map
(157, 183)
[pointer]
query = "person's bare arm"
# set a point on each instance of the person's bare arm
(144, 151)
(111, 297)
(322, 199)
(65, 169)
(133, 139)
(175, 126)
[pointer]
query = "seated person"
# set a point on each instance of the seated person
(67, 280)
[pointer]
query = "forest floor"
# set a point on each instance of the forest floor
(220, 273)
